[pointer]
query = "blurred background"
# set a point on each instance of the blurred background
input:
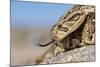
(31, 23)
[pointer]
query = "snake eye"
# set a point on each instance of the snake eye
(64, 29)
(59, 26)
(74, 17)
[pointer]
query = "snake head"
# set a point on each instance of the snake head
(68, 25)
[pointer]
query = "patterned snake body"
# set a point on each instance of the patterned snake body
(67, 24)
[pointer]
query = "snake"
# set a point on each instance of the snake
(66, 25)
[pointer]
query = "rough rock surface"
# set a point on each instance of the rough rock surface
(83, 54)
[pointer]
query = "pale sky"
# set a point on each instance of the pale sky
(36, 13)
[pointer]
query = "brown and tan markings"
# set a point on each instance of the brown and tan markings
(74, 29)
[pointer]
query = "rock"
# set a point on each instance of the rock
(83, 54)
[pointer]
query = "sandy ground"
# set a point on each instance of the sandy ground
(23, 51)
